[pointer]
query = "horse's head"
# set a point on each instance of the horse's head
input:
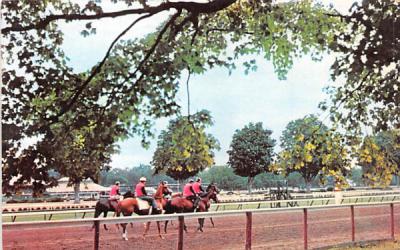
(213, 191)
(163, 190)
(128, 194)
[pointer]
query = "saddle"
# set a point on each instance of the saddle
(113, 204)
(143, 204)
(203, 194)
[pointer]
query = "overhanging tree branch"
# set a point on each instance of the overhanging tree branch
(154, 46)
(145, 58)
(207, 7)
(191, 7)
(95, 71)
(187, 91)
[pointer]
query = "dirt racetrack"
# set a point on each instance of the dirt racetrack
(278, 230)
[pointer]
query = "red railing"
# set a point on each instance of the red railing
(181, 218)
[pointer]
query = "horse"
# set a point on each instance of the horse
(134, 205)
(104, 205)
(205, 204)
(183, 205)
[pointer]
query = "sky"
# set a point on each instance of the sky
(234, 100)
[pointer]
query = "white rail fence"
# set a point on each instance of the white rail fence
(181, 217)
(48, 215)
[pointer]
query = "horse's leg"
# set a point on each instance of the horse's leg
(105, 215)
(97, 212)
(165, 226)
(146, 229)
(199, 220)
(184, 224)
(185, 227)
(116, 214)
(124, 231)
(201, 223)
(212, 222)
(159, 230)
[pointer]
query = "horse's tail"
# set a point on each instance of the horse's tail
(118, 210)
(97, 210)
(168, 207)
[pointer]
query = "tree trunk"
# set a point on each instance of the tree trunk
(250, 181)
(308, 186)
(76, 192)
(180, 185)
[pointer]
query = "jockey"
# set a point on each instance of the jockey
(198, 189)
(209, 186)
(142, 194)
(169, 195)
(114, 195)
(189, 193)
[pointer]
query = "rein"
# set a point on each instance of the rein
(159, 195)
(208, 196)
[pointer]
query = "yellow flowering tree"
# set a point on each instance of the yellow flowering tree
(185, 149)
(379, 157)
(310, 148)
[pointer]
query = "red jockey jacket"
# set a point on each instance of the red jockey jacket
(139, 189)
(114, 190)
(196, 187)
(187, 190)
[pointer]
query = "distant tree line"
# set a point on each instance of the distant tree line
(223, 176)
(130, 176)
(311, 155)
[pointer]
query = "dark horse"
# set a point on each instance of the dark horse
(132, 205)
(205, 204)
(104, 205)
(183, 205)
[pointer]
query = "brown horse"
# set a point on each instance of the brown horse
(183, 205)
(140, 207)
(103, 206)
(205, 204)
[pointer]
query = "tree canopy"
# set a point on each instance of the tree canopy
(379, 156)
(251, 151)
(184, 148)
(368, 61)
(310, 148)
(137, 79)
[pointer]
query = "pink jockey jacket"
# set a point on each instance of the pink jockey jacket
(138, 189)
(196, 187)
(114, 190)
(186, 190)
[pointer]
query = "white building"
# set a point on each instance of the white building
(87, 189)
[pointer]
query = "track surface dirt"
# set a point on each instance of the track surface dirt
(278, 230)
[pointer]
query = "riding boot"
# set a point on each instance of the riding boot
(196, 203)
(114, 205)
(155, 207)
